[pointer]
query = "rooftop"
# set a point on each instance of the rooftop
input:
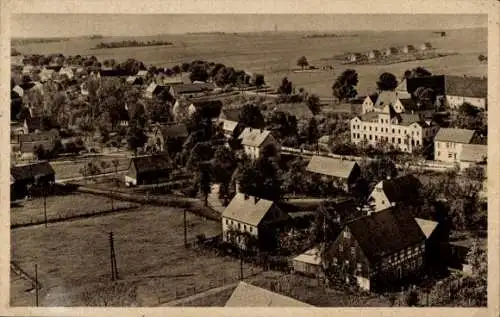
(247, 295)
(331, 166)
(455, 135)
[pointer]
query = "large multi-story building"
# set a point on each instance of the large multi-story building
(404, 131)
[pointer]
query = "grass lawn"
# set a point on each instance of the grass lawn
(72, 169)
(61, 206)
(154, 266)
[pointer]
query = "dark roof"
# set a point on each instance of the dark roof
(188, 88)
(30, 171)
(208, 108)
(436, 83)
(401, 188)
(386, 232)
(475, 87)
(455, 135)
(151, 163)
(369, 116)
(331, 166)
(231, 114)
(174, 131)
(409, 118)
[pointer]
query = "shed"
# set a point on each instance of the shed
(308, 263)
(147, 170)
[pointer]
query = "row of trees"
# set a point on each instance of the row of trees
(131, 43)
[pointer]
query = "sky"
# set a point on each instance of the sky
(69, 25)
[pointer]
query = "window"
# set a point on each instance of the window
(392, 130)
(370, 128)
(399, 140)
(417, 142)
(439, 153)
(399, 131)
(239, 226)
(376, 129)
(251, 229)
(393, 140)
(244, 227)
(364, 127)
(376, 138)
(227, 222)
(383, 202)
(455, 156)
(370, 137)
(449, 155)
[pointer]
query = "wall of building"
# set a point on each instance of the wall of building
(380, 200)
(457, 101)
(447, 151)
(231, 224)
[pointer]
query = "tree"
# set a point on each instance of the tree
(205, 181)
(482, 58)
(313, 102)
(424, 95)
(411, 298)
(286, 87)
(387, 81)
(251, 117)
(344, 87)
(259, 80)
(136, 137)
(416, 72)
(312, 132)
(302, 62)
(198, 73)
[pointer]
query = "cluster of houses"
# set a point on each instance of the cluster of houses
(390, 51)
(395, 118)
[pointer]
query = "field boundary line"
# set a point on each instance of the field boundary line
(23, 274)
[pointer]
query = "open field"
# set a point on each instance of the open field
(275, 54)
(73, 257)
(72, 169)
(62, 206)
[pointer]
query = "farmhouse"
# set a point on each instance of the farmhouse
(188, 90)
(254, 141)
(392, 191)
(356, 57)
(229, 119)
(308, 263)
(391, 51)
(379, 251)
(24, 177)
(148, 170)
(425, 46)
(168, 137)
(403, 131)
(374, 54)
(247, 295)
(408, 49)
(343, 172)
(247, 216)
(472, 90)
(450, 144)
(154, 90)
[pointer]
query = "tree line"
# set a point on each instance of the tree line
(131, 43)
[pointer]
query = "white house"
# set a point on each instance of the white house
(389, 192)
(472, 90)
(256, 140)
(252, 216)
(405, 132)
(448, 143)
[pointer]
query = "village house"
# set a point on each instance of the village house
(254, 141)
(24, 177)
(343, 173)
(425, 46)
(229, 119)
(386, 100)
(247, 295)
(24, 145)
(248, 216)
(459, 90)
(356, 57)
(134, 80)
(389, 192)
(391, 51)
(367, 103)
(473, 154)
(374, 54)
(168, 137)
(449, 145)
(148, 170)
(189, 90)
(405, 132)
(154, 90)
(436, 244)
(408, 49)
(308, 263)
(380, 251)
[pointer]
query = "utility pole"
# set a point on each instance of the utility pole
(36, 285)
(45, 203)
(114, 269)
(241, 264)
(185, 230)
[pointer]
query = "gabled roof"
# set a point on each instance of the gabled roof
(385, 232)
(474, 153)
(369, 116)
(153, 87)
(427, 226)
(151, 163)
(178, 130)
(402, 188)
(331, 166)
(455, 135)
(247, 295)
(409, 118)
(475, 87)
(188, 88)
(30, 171)
(229, 126)
(254, 137)
(386, 98)
(247, 209)
(311, 256)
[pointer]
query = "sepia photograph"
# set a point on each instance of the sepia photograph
(248, 160)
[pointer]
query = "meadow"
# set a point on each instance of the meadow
(276, 54)
(73, 259)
